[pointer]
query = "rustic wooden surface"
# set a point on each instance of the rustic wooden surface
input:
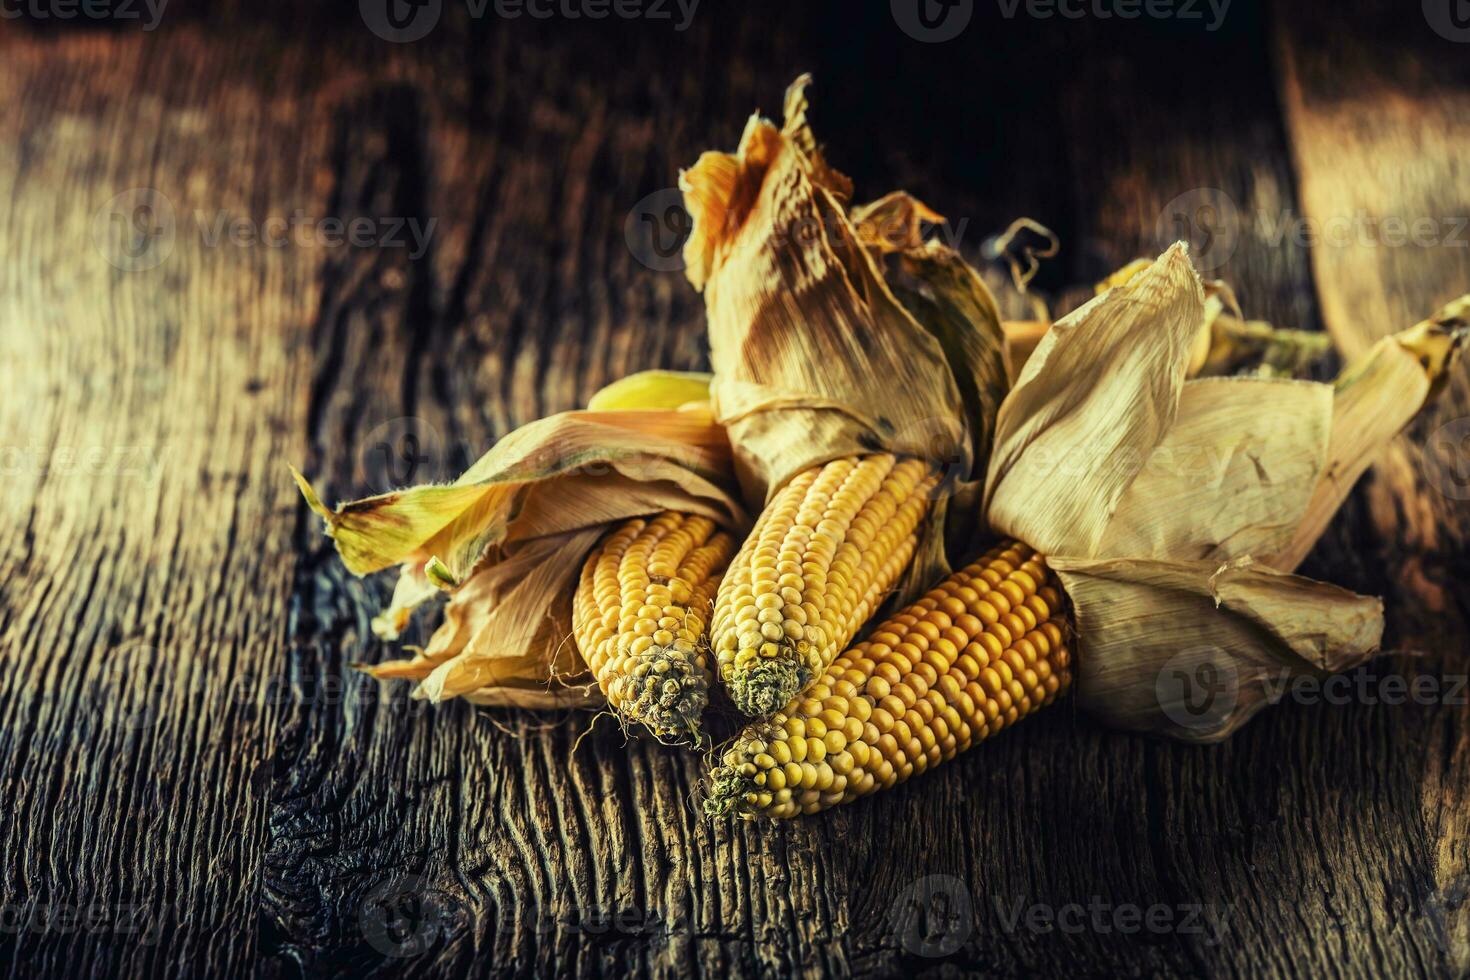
(196, 783)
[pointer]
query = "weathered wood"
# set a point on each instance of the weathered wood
(178, 724)
(1380, 153)
(147, 542)
(1251, 825)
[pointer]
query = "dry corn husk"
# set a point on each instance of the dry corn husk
(506, 540)
(1174, 510)
(836, 333)
(1227, 343)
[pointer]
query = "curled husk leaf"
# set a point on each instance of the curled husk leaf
(1227, 344)
(1175, 509)
(508, 538)
(832, 332)
(1193, 649)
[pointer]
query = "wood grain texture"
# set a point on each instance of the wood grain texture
(179, 729)
(147, 542)
(1400, 124)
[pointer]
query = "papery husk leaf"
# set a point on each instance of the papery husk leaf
(815, 357)
(1373, 399)
(1229, 344)
(1022, 338)
(945, 294)
(506, 636)
(508, 538)
(1231, 477)
(893, 223)
(797, 129)
(1102, 389)
(591, 468)
(413, 589)
(950, 300)
(513, 638)
(1174, 511)
(1217, 297)
(1193, 650)
(721, 189)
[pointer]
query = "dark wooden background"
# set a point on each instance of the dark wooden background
(194, 782)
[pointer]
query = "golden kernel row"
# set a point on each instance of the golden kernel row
(821, 558)
(980, 651)
(639, 617)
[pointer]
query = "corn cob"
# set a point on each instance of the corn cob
(639, 617)
(821, 558)
(982, 650)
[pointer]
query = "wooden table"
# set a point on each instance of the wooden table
(196, 783)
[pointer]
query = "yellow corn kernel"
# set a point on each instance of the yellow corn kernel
(930, 682)
(823, 555)
(639, 617)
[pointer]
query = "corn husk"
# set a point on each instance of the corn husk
(1102, 386)
(836, 333)
(506, 635)
(1227, 343)
(1412, 367)
(1194, 649)
(506, 540)
(1173, 510)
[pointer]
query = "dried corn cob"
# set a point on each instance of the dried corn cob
(985, 648)
(639, 616)
(821, 558)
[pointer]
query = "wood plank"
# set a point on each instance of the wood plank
(151, 394)
(1298, 828)
(1379, 121)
